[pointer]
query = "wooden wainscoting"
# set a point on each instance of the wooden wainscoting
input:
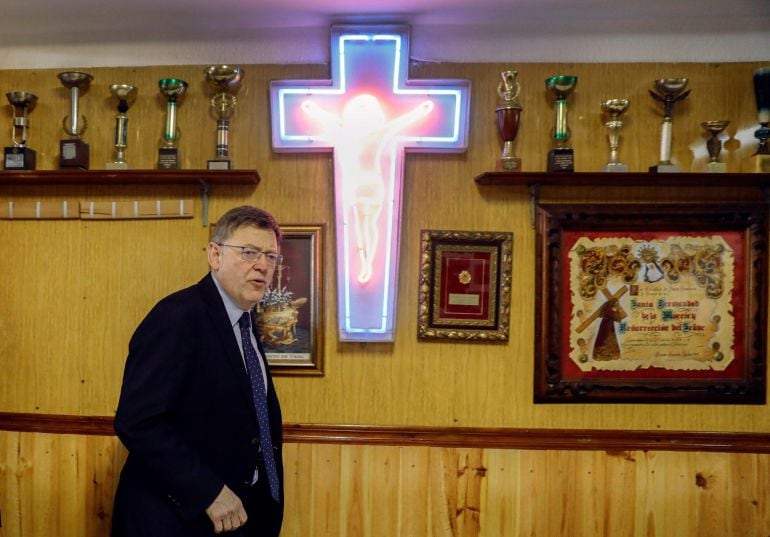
(58, 476)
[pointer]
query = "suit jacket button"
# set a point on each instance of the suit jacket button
(255, 441)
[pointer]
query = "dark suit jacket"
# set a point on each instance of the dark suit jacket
(187, 418)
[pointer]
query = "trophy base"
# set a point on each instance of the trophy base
(117, 165)
(168, 158)
(561, 160)
(19, 158)
(759, 164)
(510, 164)
(615, 167)
(73, 154)
(716, 167)
(664, 168)
(218, 165)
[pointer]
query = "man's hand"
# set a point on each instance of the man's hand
(226, 511)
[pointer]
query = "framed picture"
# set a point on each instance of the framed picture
(651, 303)
(290, 316)
(465, 285)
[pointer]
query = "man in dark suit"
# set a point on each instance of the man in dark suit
(197, 398)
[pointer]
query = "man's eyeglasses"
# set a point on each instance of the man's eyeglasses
(252, 255)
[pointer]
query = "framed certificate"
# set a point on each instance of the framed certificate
(465, 285)
(651, 303)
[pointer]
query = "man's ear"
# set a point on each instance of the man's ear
(213, 252)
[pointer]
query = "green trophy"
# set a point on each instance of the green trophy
(173, 89)
(562, 157)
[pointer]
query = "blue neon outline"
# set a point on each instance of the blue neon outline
(400, 142)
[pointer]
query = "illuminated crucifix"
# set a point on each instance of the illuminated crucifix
(368, 115)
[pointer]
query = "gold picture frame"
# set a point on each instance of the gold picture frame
(290, 316)
(465, 285)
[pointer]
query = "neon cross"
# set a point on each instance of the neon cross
(368, 115)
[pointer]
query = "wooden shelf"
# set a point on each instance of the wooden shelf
(623, 179)
(202, 178)
(129, 177)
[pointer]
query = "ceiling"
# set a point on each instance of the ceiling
(471, 29)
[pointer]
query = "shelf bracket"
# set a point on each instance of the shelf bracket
(204, 202)
(534, 194)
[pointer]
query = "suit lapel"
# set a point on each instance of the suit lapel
(217, 313)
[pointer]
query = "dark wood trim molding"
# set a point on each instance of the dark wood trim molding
(57, 424)
(477, 437)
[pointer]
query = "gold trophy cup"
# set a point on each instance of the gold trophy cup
(125, 95)
(613, 109)
(508, 113)
(19, 156)
(714, 145)
(225, 81)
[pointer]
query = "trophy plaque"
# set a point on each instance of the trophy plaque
(508, 113)
(20, 157)
(225, 81)
(74, 153)
(668, 91)
(613, 109)
(561, 158)
(714, 145)
(173, 89)
(761, 159)
(125, 94)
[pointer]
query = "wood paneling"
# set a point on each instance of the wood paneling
(74, 291)
(64, 485)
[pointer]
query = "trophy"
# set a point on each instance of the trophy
(508, 112)
(20, 157)
(74, 153)
(561, 158)
(126, 94)
(669, 91)
(173, 90)
(613, 108)
(762, 92)
(714, 145)
(225, 81)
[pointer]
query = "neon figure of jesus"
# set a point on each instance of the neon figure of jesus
(368, 115)
(360, 136)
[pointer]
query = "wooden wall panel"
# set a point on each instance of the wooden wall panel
(64, 485)
(92, 282)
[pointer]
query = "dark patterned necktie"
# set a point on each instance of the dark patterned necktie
(260, 403)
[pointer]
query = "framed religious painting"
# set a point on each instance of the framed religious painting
(651, 303)
(465, 285)
(290, 316)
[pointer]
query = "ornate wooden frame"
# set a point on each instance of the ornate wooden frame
(555, 378)
(481, 294)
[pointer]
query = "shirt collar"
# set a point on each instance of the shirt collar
(234, 311)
